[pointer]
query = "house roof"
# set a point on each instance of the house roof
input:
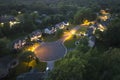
(4, 62)
(49, 27)
(7, 18)
(32, 76)
(65, 21)
(104, 23)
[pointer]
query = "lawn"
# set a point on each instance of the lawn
(71, 26)
(83, 28)
(71, 42)
(54, 37)
(50, 38)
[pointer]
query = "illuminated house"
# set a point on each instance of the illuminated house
(35, 35)
(91, 41)
(66, 23)
(50, 30)
(90, 30)
(18, 44)
(62, 25)
(8, 19)
(104, 15)
(87, 23)
(32, 75)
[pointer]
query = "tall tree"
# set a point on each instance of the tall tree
(83, 14)
(111, 36)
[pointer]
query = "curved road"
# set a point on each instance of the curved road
(50, 51)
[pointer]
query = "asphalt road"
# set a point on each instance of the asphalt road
(50, 51)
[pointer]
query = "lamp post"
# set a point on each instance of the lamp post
(29, 59)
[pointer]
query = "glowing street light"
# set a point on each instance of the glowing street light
(69, 35)
(32, 48)
(13, 23)
(2, 24)
(73, 32)
(87, 23)
(47, 68)
(19, 12)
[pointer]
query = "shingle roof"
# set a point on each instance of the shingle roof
(32, 76)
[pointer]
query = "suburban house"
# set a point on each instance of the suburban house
(32, 75)
(7, 63)
(61, 25)
(91, 41)
(90, 31)
(101, 27)
(49, 30)
(104, 15)
(8, 19)
(18, 44)
(66, 23)
(35, 35)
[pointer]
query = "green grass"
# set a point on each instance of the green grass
(82, 28)
(54, 37)
(71, 26)
(41, 66)
(50, 38)
(71, 42)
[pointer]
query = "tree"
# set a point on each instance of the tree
(83, 14)
(72, 66)
(4, 49)
(28, 25)
(69, 68)
(103, 66)
(1, 33)
(111, 36)
(92, 65)
(6, 29)
(34, 15)
(27, 56)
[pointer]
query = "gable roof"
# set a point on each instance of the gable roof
(32, 76)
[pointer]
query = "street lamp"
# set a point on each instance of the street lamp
(2, 24)
(29, 59)
(19, 12)
(47, 68)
